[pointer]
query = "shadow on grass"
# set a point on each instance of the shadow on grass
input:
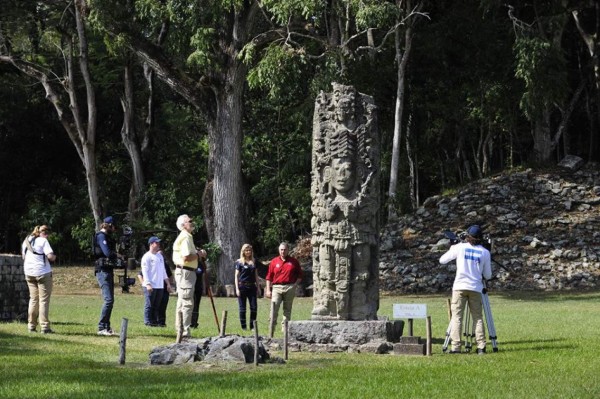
(548, 296)
(536, 348)
(69, 323)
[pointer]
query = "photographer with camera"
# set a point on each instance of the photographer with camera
(473, 261)
(107, 259)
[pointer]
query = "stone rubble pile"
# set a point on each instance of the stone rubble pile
(544, 227)
(231, 348)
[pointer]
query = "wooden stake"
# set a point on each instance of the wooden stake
(223, 323)
(179, 316)
(285, 339)
(255, 343)
(428, 328)
(123, 340)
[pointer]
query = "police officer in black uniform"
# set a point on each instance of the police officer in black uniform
(106, 259)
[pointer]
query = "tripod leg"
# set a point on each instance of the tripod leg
(489, 320)
(467, 327)
(447, 340)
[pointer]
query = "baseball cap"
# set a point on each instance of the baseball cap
(108, 219)
(474, 231)
(153, 239)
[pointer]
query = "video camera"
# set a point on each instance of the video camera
(124, 247)
(125, 241)
(461, 236)
(117, 263)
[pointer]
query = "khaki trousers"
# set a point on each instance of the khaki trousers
(40, 289)
(459, 299)
(281, 293)
(186, 280)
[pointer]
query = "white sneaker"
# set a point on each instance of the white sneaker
(107, 333)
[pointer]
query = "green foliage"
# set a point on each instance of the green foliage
(213, 250)
(202, 41)
(277, 70)
(284, 10)
(276, 164)
(375, 14)
(326, 73)
(58, 212)
(82, 233)
(542, 67)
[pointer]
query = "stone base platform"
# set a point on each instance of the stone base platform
(373, 336)
(410, 346)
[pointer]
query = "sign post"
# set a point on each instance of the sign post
(413, 311)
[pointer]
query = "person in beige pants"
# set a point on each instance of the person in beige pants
(283, 275)
(37, 255)
(473, 263)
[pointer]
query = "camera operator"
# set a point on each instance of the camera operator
(472, 262)
(106, 259)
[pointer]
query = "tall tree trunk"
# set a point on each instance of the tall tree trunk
(87, 136)
(225, 141)
(542, 137)
(592, 41)
(412, 167)
(401, 62)
(131, 142)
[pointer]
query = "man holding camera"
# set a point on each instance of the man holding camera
(185, 258)
(106, 259)
(473, 261)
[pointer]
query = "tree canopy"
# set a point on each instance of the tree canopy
(221, 96)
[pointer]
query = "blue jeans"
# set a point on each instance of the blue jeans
(152, 303)
(247, 293)
(106, 281)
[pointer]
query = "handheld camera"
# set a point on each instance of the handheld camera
(461, 236)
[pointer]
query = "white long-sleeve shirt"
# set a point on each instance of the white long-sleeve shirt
(153, 270)
(472, 263)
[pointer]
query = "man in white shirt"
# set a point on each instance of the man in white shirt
(154, 280)
(473, 262)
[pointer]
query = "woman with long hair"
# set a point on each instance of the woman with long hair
(246, 284)
(37, 255)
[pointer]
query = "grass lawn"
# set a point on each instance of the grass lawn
(548, 348)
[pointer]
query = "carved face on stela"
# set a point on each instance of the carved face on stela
(342, 174)
(344, 105)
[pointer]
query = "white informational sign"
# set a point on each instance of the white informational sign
(410, 311)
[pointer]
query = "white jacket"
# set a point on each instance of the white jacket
(472, 263)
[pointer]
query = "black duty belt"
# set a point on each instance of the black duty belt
(192, 269)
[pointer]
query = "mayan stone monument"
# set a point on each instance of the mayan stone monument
(345, 230)
(345, 206)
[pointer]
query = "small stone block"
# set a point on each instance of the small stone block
(410, 340)
(409, 349)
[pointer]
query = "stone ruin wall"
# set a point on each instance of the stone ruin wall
(14, 294)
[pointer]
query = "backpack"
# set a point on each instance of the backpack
(96, 250)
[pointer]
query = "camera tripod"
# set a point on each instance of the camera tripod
(469, 328)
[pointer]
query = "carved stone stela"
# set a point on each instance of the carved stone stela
(345, 206)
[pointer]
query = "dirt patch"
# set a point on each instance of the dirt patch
(81, 280)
